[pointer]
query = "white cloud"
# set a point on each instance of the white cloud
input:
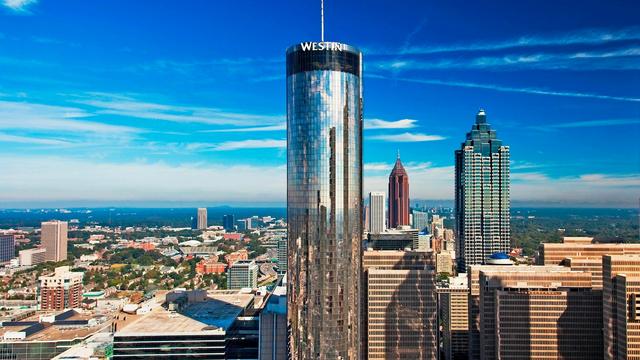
(18, 5)
(377, 166)
(501, 88)
(125, 105)
(620, 59)
(585, 37)
(370, 124)
(69, 179)
(250, 144)
(409, 166)
(585, 190)
(434, 183)
(406, 137)
(277, 127)
(33, 117)
(592, 123)
(32, 140)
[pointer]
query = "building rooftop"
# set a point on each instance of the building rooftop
(217, 313)
(53, 332)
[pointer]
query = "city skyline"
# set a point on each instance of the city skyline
(168, 105)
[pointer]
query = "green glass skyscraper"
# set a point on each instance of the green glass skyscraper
(481, 195)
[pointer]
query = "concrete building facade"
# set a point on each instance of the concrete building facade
(376, 212)
(621, 311)
(401, 305)
(53, 237)
(243, 274)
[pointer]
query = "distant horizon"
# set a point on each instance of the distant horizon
(266, 205)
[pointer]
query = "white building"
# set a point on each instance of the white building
(376, 212)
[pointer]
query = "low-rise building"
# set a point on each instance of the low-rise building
(210, 266)
(243, 274)
(30, 257)
(189, 325)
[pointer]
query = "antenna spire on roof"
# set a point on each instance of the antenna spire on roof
(398, 154)
(322, 20)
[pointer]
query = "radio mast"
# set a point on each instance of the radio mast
(322, 20)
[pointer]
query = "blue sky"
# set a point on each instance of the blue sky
(183, 101)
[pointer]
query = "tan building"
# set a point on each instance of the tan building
(582, 253)
(202, 219)
(400, 309)
(62, 290)
(453, 306)
(33, 256)
(621, 313)
(538, 312)
(444, 263)
(53, 237)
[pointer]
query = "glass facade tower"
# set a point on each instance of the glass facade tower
(481, 195)
(324, 199)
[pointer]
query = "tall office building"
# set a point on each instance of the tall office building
(366, 216)
(202, 218)
(420, 220)
(398, 195)
(7, 248)
(534, 312)
(437, 222)
(243, 274)
(481, 195)
(62, 290)
(376, 212)
(53, 237)
(453, 309)
(582, 253)
(273, 325)
(400, 305)
(228, 222)
(621, 312)
(324, 199)
(282, 255)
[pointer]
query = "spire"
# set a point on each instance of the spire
(398, 169)
(322, 20)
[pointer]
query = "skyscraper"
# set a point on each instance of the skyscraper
(481, 195)
(535, 312)
(282, 255)
(376, 217)
(202, 218)
(398, 195)
(53, 237)
(401, 307)
(7, 248)
(420, 220)
(324, 199)
(621, 315)
(228, 222)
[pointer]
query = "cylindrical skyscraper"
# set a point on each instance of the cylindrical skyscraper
(324, 199)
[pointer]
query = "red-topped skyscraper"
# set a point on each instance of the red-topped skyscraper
(398, 195)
